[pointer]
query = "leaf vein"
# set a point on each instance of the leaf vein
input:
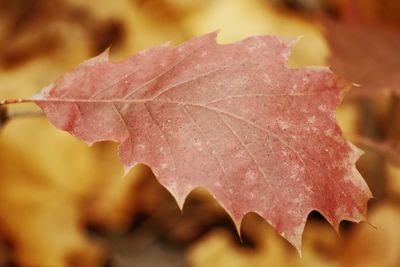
(163, 135)
(206, 138)
(243, 144)
(164, 72)
(192, 79)
(260, 128)
(126, 128)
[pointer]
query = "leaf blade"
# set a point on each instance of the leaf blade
(231, 118)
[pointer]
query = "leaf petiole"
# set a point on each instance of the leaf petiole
(14, 101)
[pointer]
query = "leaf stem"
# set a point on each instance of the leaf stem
(14, 101)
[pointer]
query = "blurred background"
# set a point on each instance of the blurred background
(65, 204)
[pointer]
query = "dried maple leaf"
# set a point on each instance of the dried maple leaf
(230, 118)
(364, 52)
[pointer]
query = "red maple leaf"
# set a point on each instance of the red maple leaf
(230, 118)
